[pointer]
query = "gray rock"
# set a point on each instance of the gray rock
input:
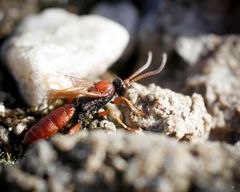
(46, 155)
(104, 124)
(20, 180)
(19, 128)
(42, 55)
(192, 49)
(125, 162)
(216, 76)
(4, 138)
(180, 116)
(2, 109)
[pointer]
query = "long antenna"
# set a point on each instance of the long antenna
(134, 77)
(151, 73)
(144, 67)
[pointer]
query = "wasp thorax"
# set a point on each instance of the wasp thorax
(103, 87)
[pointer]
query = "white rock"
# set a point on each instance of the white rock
(177, 115)
(2, 109)
(19, 128)
(56, 42)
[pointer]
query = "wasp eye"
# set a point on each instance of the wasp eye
(119, 86)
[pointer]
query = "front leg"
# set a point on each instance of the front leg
(118, 120)
(120, 99)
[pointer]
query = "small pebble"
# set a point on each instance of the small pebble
(3, 135)
(2, 109)
(19, 128)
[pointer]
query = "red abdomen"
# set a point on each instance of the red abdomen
(50, 124)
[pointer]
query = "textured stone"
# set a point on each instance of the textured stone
(191, 49)
(124, 162)
(183, 117)
(4, 135)
(216, 75)
(41, 53)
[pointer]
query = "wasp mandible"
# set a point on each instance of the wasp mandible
(88, 97)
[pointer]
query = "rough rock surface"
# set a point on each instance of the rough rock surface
(124, 162)
(216, 75)
(12, 124)
(41, 52)
(192, 49)
(181, 116)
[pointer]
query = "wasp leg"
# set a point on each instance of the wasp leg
(120, 99)
(105, 112)
(74, 129)
(118, 120)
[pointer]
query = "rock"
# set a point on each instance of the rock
(44, 55)
(104, 124)
(46, 155)
(216, 76)
(125, 162)
(192, 49)
(18, 179)
(4, 138)
(19, 128)
(13, 123)
(17, 120)
(130, 19)
(2, 109)
(180, 116)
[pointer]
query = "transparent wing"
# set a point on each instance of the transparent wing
(79, 88)
(75, 88)
(72, 93)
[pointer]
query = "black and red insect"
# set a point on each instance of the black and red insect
(88, 97)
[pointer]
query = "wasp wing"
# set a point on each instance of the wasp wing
(78, 88)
